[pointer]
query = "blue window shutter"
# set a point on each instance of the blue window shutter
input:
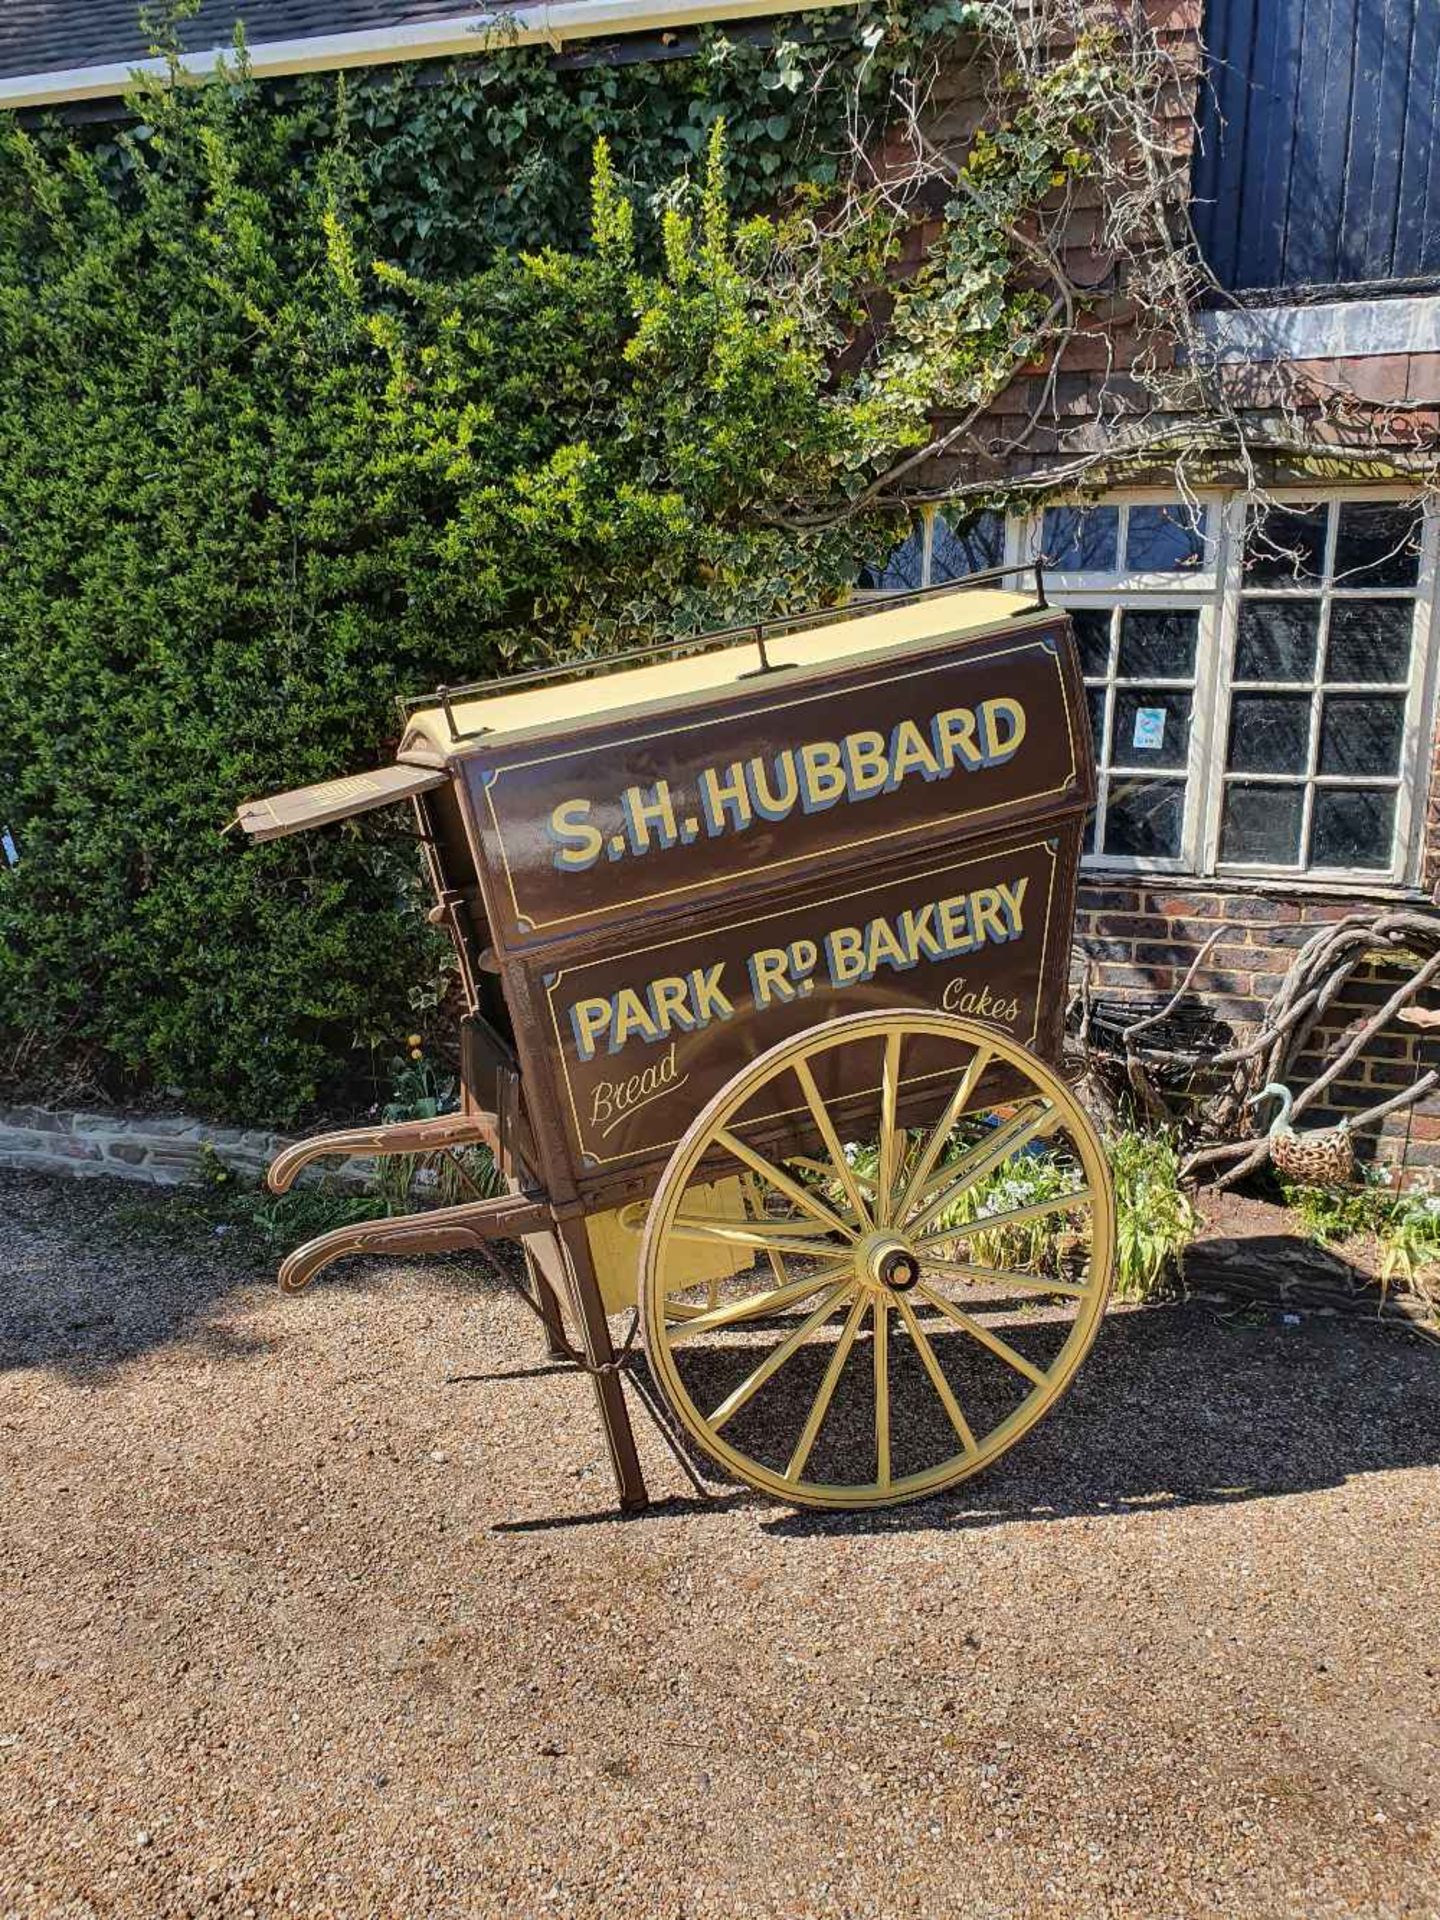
(1318, 157)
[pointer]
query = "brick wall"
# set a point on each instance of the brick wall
(1138, 937)
(1094, 381)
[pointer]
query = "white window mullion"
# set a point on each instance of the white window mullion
(1317, 683)
(1214, 686)
(1106, 746)
(1417, 748)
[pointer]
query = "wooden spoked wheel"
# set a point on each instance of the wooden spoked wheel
(914, 1296)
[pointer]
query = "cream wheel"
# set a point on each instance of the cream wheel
(929, 1238)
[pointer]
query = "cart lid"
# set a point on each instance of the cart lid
(317, 806)
(557, 705)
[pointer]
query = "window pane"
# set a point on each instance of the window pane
(1352, 827)
(1277, 639)
(1158, 642)
(1284, 546)
(1361, 734)
(1087, 844)
(1092, 637)
(1261, 825)
(1377, 544)
(1096, 697)
(1144, 818)
(1269, 733)
(1152, 727)
(1165, 539)
(966, 543)
(1081, 539)
(904, 567)
(1370, 639)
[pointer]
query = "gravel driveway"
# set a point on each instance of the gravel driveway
(293, 1622)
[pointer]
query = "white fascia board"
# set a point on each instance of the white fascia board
(471, 33)
(1331, 330)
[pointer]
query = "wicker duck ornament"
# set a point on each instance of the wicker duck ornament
(1323, 1156)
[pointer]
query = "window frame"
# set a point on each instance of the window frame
(1115, 683)
(1216, 592)
(1199, 591)
(1411, 782)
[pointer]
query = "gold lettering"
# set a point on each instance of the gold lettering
(580, 842)
(997, 748)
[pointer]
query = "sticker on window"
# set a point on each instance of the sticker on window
(1149, 732)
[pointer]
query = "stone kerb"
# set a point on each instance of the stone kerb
(162, 1150)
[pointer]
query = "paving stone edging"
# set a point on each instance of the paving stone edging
(162, 1150)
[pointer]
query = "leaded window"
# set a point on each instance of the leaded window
(1320, 686)
(1257, 677)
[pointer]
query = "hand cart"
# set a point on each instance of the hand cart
(763, 939)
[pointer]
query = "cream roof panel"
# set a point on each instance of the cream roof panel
(560, 704)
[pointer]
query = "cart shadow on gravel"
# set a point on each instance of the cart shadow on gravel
(1186, 1404)
(1178, 1405)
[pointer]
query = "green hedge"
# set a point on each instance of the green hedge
(315, 394)
(252, 487)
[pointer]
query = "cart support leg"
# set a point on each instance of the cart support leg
(600, 1355)
(547, 1276)
(557, 1346)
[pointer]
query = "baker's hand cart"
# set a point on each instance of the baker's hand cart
(763, 940)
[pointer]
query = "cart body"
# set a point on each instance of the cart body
(655, 872)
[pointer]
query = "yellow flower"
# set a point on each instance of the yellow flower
(413, 1040)
(417, 1053)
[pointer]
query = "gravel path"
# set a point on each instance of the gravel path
(289, 1625)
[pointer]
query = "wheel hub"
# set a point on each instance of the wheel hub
(886, 1263)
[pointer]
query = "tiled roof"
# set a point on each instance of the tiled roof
(48, 36)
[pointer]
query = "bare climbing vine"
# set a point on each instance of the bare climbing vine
(1093, 103)
(1226, 1145)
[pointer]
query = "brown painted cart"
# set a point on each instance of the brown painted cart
(763, 941)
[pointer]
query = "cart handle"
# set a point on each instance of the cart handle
(509, 1216)
(404, 1136)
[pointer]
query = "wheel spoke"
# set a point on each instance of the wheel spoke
(777, 1178)
(942, 1130)
(864, 1181)
(937, 1378)
(784, 1236)
(754, 1195)
(1016, 1217)
(882, 1390)
(1000, 1348)
(1002, 1277)
(1007, 1139)
(827, 1391)
(825, 1126)
(778, 1355)
(889, 1101)
(754, 1306)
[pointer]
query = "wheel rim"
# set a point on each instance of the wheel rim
(876, 1323)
